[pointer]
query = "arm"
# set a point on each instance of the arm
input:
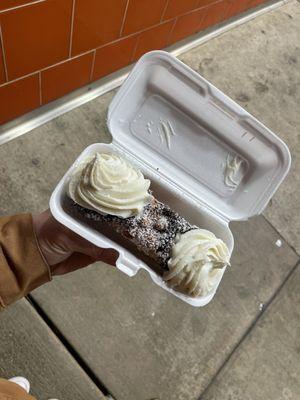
(12, 391)
(33, 249)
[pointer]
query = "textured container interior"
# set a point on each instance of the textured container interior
(129, 260)
(186, 167)
(207, 128)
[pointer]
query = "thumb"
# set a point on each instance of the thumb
(72, 263)
(81, 260)
(108, 256)
(81, 245)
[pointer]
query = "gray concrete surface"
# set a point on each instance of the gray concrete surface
(144, 343)
(138, 340)
(45, 154)
(266, 366)
(258, 65)
(29, 348)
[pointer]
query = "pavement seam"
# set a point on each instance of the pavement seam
(249, 330)
(70, 349)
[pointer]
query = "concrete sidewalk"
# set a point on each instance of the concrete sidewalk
(127, 337)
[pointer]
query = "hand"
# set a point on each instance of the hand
(64, 250)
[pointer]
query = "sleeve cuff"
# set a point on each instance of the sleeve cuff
(22, 265)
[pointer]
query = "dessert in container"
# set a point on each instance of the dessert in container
(207, 158)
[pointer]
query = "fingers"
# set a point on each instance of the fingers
(81, 245)
(81, 260)
(74, 262)
(109, 256)
(66, 251)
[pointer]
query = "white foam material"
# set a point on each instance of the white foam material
(188, 173)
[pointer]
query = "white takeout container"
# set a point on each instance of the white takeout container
(188, 175)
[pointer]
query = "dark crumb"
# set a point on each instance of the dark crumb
(36, 162)
(153, 232)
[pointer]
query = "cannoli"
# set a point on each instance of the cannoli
(108, 189)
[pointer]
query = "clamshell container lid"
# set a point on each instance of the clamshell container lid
(177, 123)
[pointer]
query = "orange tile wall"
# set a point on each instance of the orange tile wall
(49, 48)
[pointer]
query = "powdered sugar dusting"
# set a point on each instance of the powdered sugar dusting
(153, 231)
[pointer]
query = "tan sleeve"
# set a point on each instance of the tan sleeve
(12, 391)
(22, 267)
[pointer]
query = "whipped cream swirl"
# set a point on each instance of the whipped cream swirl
(109, 184)
(233, 171)
(196, 263)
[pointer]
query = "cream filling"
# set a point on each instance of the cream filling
(109, 184)
(233, 165)
(197, 262)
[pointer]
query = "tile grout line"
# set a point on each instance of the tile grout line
(249, 330)
(40, 87)
(164, 10)
(3, 54)
(82, 54)
(201, 21)
(22, 6)
(72, 28)
(171, 31)
(7, 134)
(281, 235)
(135, 48)
(229, 6)
(46, 68)
(61, 62)
(69, 348)
(134, 33)
(124, 18)
(209, 4)
(232, 23)
(93, 65)
(110, 43)
(20, 78)
(101, 46)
